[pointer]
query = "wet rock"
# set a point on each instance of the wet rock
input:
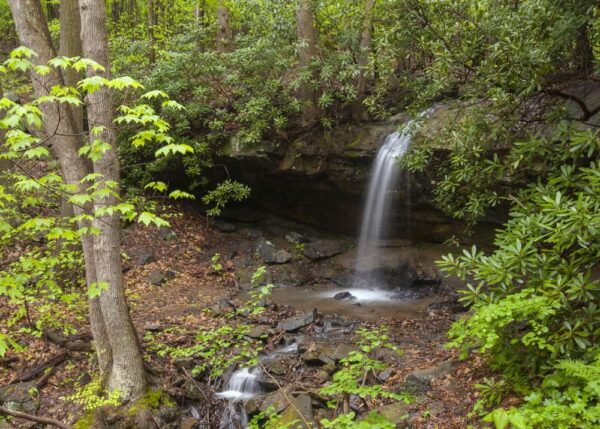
(189, 423)
(298, 321)
(20, 397)
(289, 275)
(343, 295)
(251, 406)
(276, 366)
(144, 256)
(271, 255)
(276, 400)
(194, 390)
(419, 382)
(296, 238)
(166, 234)
(224, 226)
(342, 351)
(322, 249)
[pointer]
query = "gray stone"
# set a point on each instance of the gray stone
(166, 234)
(419, 382)
(298, 321)
(342, 351)
(276, 366)
(144, 256)
(396, 412)
(221, 307)
(184, 362)
(271, 255)
(152, 326)
(275, 400)
(385, 374)
(156, 277)
(322, 249)
(296, 238)
(387, 355)
(321, 376)
(300, 411)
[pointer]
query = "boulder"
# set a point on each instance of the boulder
(271, 255)
(293, 417)
(298, 321)
(397, 413)
(258, 332)
(221, 307)
(296, 238)
(342, 351)
(157, 277)
(323, 249)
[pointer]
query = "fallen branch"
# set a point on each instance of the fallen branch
(76, 343)
(37, 419)
(31, 373)
(308, 425)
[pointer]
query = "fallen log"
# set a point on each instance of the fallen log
(34, 372)
(77, 343)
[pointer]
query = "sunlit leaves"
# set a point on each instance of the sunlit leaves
(147, 219)
(173, 149)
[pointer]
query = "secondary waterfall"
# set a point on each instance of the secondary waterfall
(378, 208)
(243, 385)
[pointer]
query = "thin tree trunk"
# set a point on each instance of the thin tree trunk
(60, 129)
(52, 10)
(307, 34)
(224, 33)
(70, 46)
(151, 24)
(127, 374)
(358, 111)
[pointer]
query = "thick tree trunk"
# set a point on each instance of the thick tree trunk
(151, 37)
(127, 374)
(70, 46)
(224, 33)
(358, 111)
(307, 34)
(60, 129)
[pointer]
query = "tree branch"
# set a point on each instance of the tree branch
(37, 419)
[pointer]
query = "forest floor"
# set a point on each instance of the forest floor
(187, 282)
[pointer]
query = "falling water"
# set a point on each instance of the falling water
(378, 208)
(243, 385)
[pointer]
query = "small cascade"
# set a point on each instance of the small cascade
(378, 209)
(243, 385)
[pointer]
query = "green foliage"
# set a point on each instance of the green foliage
(258, 293)
(347, 421)
(357, 367)
(224, 193)
(214, 262)
(91, 396)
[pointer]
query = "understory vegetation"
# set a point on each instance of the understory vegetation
(99, 132)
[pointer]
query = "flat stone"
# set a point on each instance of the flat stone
(342, 351)
(397, 413)
(20, 397)
(322, 249)
(321, 376)
(224, 226)
(298, 321)
(385, 374)
(275, 400)
(419, 382)
(152, 326)
(258, 332)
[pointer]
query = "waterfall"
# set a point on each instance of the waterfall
(378, 208)
(242, 385)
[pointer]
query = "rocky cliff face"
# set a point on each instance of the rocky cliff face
(321, 179)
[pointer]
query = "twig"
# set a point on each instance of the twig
(37, 419)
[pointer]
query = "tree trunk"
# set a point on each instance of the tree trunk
(60, 129)
(70, 46)
(115, 11)
(127, 372)
(358, 111)
(224, 33)
(52, 10)
(308, 52)
(151, 38)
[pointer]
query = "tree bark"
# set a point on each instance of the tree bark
(151, 37)
(60, 129)
(127, 373)
(70, 46)
(358, 111)
(307, 34)
(224, 33)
